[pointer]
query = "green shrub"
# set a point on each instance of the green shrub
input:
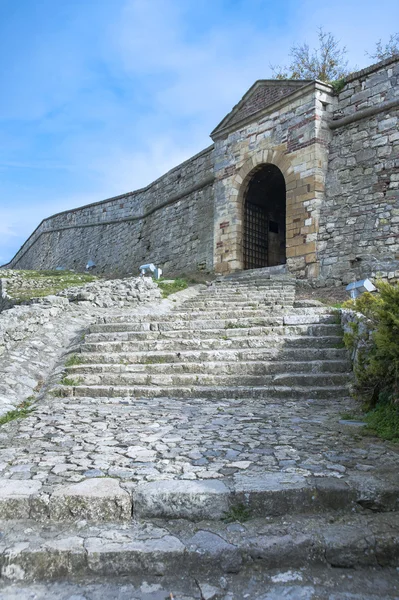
(383, 420)
(377, 368)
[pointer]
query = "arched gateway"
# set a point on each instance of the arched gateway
(264, 234)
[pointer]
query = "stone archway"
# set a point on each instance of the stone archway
(241, 184)
(264, 233)
(301, 219)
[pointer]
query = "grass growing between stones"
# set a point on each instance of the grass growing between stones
(23, 285)
(237, 513)
(70, 381)
(21, 411)
(73, 360)
(171, 287)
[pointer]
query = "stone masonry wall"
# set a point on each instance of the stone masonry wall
(169, 223)
(359, 220)
(292, 134)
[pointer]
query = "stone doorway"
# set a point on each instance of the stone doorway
(264, 238)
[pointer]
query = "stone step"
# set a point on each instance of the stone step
(237, 342)
(204, 323)
(186, 325)
(187, 552)
(232, 355)
(294, 315)
(226, 368)
(231, 329)
(308, 380)
(238, 292)
(265, 393)
(224, 303)
(221, 313)
(316, 581)
(267, 494)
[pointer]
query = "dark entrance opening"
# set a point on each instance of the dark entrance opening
(264, 219)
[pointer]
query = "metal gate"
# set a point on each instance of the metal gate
(255, 236)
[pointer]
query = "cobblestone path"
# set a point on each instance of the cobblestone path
(226, 409)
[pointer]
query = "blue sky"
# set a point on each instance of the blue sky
(100, 97)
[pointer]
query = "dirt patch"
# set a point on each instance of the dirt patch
(331, 296)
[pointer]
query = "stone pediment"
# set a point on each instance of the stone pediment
(264, 93)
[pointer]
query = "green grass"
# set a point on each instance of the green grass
(20, 412)
(350, 416)
(383, 421)
(178, 285)
(70, 381)
(73, 360)
(50, 282)
(237, 513)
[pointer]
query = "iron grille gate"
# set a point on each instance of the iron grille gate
(255, 237)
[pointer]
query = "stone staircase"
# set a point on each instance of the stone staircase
(202, 450)
(237, 339)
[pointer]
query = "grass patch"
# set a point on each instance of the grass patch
(37, 284)
(350, 416)
(178, 285)
(73, 360)
(71, 381)
(235, 326)
(20, 412)
(237, 513)
(383, 421)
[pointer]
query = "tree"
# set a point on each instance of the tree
(326, 63)
(382, 52)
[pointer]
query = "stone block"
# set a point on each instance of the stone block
(95, 499)
(178, 499)
(16, 498)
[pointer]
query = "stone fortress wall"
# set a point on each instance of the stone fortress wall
(166, 222)
(340, 159)
(359, 221)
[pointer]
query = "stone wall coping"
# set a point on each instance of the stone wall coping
(371, 68)
(309, 86)
(365, 113)
(134, 192)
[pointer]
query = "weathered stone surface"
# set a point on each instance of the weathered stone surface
(181, 499)
(92, 499)
(123, 233)
(313, 583)
(16, 498)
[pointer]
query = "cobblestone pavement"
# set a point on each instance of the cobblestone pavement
(68, 440)
(313, 488)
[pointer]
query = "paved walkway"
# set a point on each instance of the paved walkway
(223, 482)
(68, 439)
